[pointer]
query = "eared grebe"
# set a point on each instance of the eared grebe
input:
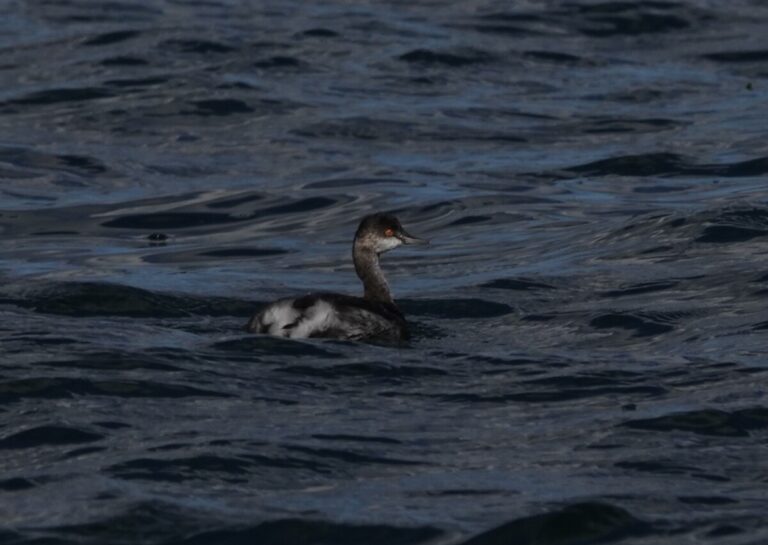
(332, 315)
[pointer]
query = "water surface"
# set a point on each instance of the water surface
(588, 362)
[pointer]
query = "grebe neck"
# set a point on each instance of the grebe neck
(367, 268)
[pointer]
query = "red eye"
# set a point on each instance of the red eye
(389, 232)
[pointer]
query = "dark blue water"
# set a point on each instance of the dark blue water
(590, 324)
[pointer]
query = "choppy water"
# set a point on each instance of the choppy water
(590, 324)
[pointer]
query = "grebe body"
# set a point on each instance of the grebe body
(374, 316)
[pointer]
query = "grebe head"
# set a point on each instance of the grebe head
(383, 232)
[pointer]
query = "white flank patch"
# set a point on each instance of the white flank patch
(278, 315)
(318, 317)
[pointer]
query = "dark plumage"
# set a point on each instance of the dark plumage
(374, 316)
